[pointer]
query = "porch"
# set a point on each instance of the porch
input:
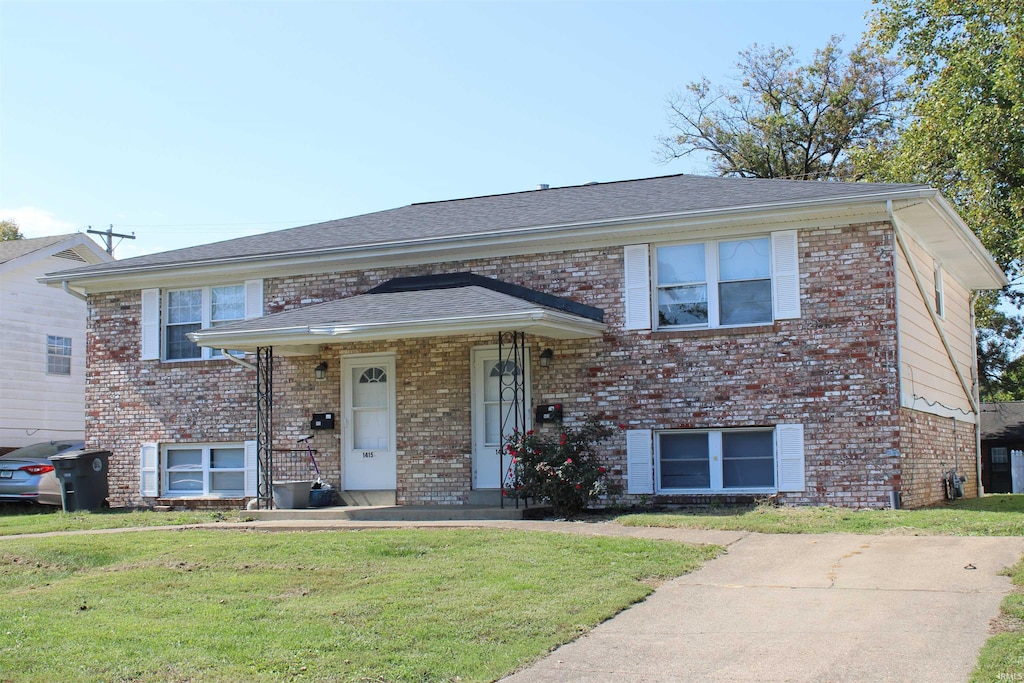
(411, 394)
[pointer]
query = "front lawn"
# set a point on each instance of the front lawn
(38, 519)
(998, 515)
(386, 605)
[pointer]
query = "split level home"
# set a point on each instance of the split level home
(42, 341)
(811, 341)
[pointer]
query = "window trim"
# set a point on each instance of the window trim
(712, 283)
(206, 304)
(50, 346)
(716, 474)
(205, 468)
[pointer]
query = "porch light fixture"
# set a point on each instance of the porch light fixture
(545, 357)
(321, 370)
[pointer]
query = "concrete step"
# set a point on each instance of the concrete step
(367, 498)
(402, 513)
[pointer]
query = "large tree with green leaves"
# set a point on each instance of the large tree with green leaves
(965, 136)
(9, 231)
(784, 119)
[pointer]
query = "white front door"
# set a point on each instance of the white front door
(494, 378)
(368, 397)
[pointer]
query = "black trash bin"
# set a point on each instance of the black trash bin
(82, 476)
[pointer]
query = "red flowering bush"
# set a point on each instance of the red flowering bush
(559, 469)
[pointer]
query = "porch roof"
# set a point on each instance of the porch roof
(412, 307)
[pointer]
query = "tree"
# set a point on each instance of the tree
(9, 231)
(788, 120)
(965, 136)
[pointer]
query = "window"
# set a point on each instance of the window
(204, 470)
(715, 284)
(721, 460)
(58, 355)
(189, 310)
(1000, 459)
(940, 296)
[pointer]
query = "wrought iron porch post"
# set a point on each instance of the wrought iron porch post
(511, 390)
(265, 426)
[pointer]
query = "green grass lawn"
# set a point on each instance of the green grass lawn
(385, 605)
(38, 519)
(989, 516)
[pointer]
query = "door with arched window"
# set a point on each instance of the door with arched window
(493, 395)
(369, 423)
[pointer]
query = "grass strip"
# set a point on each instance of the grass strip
(997, 515)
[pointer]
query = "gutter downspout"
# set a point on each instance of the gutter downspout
(964, 384)
(977, 392)
(244, 363)
(78, 295)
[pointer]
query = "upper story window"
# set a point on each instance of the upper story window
(189, 310)
(716, 283)
(713, 284)
(58, 355)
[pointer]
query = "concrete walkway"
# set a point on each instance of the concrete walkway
(830, 608)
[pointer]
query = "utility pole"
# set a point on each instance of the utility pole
(108, 236)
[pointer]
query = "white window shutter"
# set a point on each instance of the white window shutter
(786, 274)
(253, 299)
(251, 469)
(149, 470)
(789, 457)
(638, 287)
(150, 343)
(639, 461)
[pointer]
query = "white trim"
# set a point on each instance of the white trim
(615, 231)
(149, 470)
(251, 469)
(150, 324)
(543, 323)
(348, 450)
(637, 287)
(253, 299)
(639, 461)
(479, 355)
(716, 484)
(785, 274)
(205, 469)
(789, 458)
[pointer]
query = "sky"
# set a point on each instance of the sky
(193, 122)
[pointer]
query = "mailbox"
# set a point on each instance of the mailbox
(548, 413)
(322, 421)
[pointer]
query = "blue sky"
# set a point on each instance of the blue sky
(194, 122)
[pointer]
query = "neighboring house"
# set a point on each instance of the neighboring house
(42, 341)
(807, 340)
(1002, 447)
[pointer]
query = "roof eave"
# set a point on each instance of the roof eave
(620, 225)
(542, 323)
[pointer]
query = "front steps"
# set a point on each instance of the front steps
(402, 513)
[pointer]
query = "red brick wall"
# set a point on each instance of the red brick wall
(929, 447)
(833, 370)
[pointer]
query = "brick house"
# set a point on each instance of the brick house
(808, 340)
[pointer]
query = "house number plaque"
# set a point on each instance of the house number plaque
(367, 454)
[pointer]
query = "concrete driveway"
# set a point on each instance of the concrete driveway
(829, 608)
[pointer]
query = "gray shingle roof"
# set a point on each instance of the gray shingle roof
(12, 249)
(516, 211)
(1003, 421)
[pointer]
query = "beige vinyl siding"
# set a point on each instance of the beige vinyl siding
(928, 381)
(35, 406)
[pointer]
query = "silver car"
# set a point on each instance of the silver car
(26, 474)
